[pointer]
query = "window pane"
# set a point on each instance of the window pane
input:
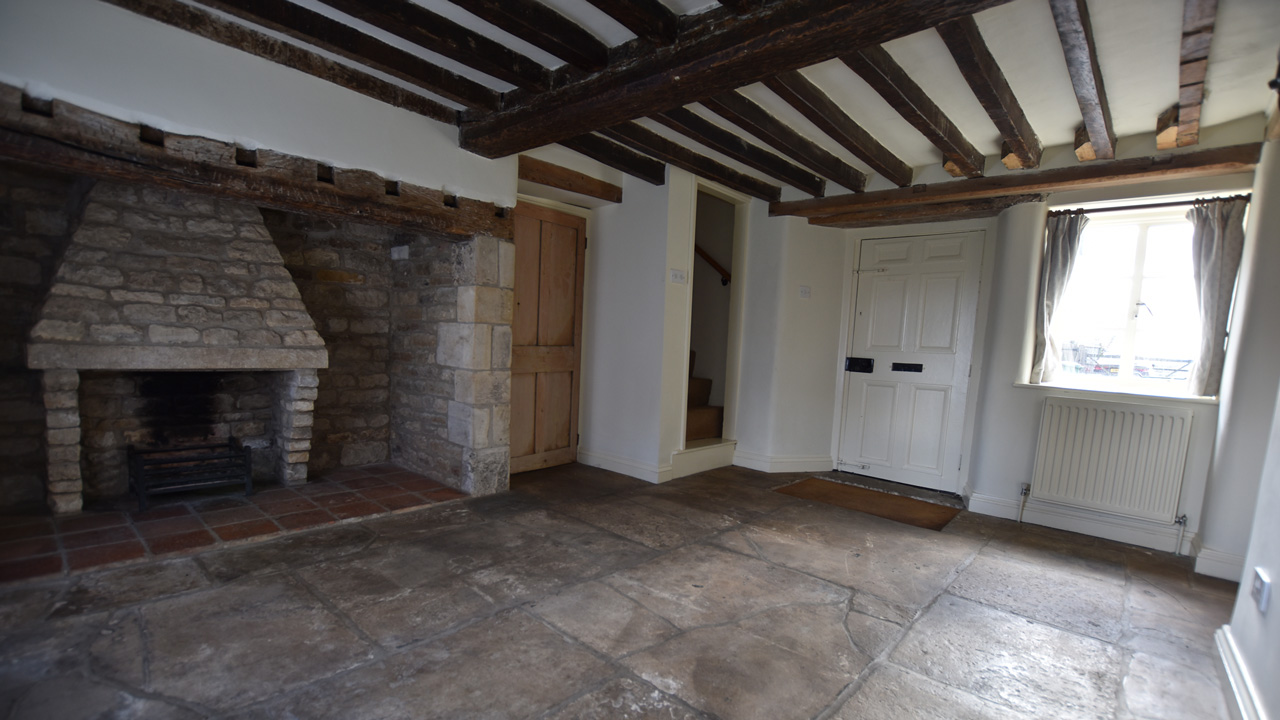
(1168, 251)
(1107, 251)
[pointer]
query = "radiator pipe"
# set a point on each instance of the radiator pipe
(1181, 522)
(1026, 491)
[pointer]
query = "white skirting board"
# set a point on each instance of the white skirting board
(625, 466)
(783, 463)
(1237, 687)
(701, 459)
(1216, 563)
(1111, 527)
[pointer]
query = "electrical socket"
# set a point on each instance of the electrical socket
(1261, 590)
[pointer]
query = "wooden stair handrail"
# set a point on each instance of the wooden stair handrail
(725, 278)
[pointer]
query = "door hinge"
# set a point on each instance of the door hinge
(585, 241)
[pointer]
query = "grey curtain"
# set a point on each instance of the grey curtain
(1061, 243)
(1217, 242)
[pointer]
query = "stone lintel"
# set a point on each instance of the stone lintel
(49, 356)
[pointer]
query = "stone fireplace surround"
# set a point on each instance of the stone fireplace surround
(159, 281)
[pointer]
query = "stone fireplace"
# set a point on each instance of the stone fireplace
(172, 318)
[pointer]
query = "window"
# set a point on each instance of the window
(1128, 319)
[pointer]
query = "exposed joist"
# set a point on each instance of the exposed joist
(1198, 19)
(1199, 163)
(822, 111)
(544, 28)
(988, 83)
(694, 126)
(742, 6)
(533, 170)
(1167, 129)
(874, 65)
(438, 34)
(744, 113)
(618, 157)
(651, 143)
(934, 212)
(1076, 35)
(211, 27)
(733, 52)
(78, 141)
(649, 19)
(341, 39)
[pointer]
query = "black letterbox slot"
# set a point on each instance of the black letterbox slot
(908, 367)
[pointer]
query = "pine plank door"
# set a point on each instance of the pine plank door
(911, 344)
(546, 343)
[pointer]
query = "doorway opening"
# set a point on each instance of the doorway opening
(709, 322)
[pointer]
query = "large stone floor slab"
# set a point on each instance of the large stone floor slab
(586, 594)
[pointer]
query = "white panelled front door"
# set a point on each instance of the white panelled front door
(911, 342)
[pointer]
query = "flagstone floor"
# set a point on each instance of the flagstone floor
(586, 594)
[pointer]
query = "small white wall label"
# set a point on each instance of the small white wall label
(805, 292)
(679, 277)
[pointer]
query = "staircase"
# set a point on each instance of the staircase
(702, 419)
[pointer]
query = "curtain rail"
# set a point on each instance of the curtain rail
(1150, 206)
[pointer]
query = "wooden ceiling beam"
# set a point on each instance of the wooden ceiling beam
(822, 111)
(649, 19)
(1112, 173)
(413, 22)
(544, 28)
(341, 39)
(874, 65)
(1198, 19)
(694, 126)
(934, 212)
(749, 116)
(618, 157)
(533, 170)
(212, 27)
(988, 83)
(1076, 35)
(651, 143)
(741, 7)
(707, 60)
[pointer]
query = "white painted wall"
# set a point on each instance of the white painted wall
(709, 324)
(1256, 636)
(622, 332)
(1251, 377)
(112, 61)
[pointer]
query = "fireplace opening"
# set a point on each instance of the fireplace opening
(158, 409)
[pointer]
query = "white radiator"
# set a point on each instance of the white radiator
(1115, 457)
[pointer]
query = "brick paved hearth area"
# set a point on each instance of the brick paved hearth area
(115, 532)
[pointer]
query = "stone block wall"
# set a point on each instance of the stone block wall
(451, 360)
(38, 212)
(166, 280)
(343, 271)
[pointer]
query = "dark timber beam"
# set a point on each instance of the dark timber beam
(649, 142)
(749, 116)
(734, 52)
(649, 19)
(1076, 35)
(741, 6)
(1200, 163)
(426, 29)
(874, 65)
(544, 28)
(544, 173)
(211, 27)
(988, 83)
(342, 39)
(81, 142)
(696, 127)
(1198, 19)
(935, 212)
(822, 111)
(608, 152)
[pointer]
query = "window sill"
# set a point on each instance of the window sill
(1121, 395)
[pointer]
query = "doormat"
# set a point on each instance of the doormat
(873, 502)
